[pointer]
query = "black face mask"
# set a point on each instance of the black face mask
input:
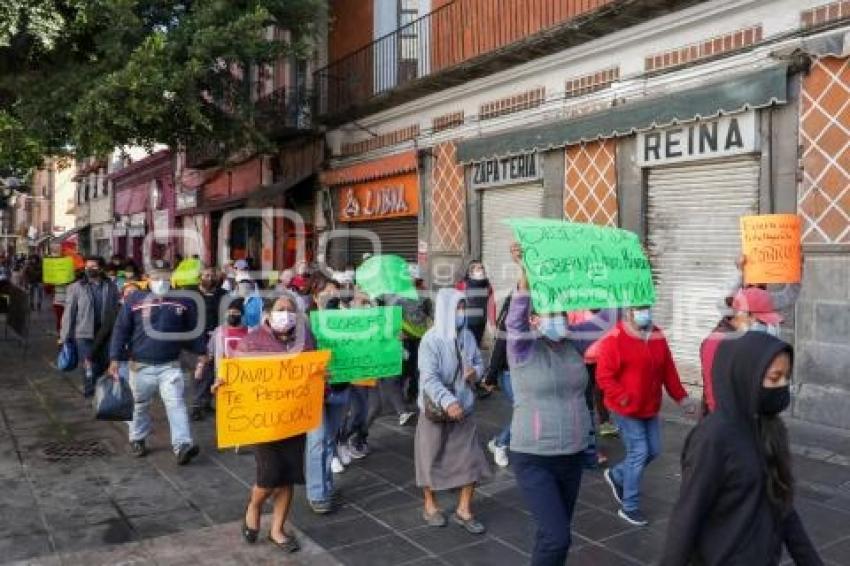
(774, 400)
(92, 273)
(234, 319)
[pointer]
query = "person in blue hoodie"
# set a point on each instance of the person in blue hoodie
(246, 288)
(154, 327)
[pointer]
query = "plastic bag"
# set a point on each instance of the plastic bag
(67, 358)
(113, 400)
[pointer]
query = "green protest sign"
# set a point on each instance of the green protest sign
(582, 266)
(57, 270)
(385, 275)
(364, 343)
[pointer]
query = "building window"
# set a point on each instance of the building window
(94, 189)
(86, 191)
(408, 43)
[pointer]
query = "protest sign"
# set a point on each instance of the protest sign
(582, 266)
(57, 270)
(365, 343)
(771, 243)
(385, 275)
(187, 273)
(269, 398)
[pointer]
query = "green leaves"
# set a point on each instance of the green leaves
(90, 75)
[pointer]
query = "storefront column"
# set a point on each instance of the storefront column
(553, 183)
(631, 188)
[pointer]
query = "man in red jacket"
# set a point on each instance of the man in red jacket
(634, 362)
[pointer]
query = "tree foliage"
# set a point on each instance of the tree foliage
(89, 75)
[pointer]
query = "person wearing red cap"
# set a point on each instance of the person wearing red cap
(752, 310)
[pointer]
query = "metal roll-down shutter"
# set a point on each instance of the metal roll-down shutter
(398, 236)
(694, 239)
(522, 201)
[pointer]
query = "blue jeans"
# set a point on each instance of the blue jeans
(93, 363)
(503, 438)
(167, 379)
(550, 486)
(358, 421)
(642, 440)
(321, 445)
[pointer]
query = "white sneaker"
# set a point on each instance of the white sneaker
(336, 466)
(344, 454)
(405, 417)
(500, 453)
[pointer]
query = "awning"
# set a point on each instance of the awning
(384, 167)
(266, 196)
(754, 90)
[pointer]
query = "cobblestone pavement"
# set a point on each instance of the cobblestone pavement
(70, 494)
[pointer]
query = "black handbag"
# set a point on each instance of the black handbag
(113, 400)
(433, 411)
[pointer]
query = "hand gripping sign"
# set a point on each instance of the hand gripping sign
(573, 266)
(269, 398)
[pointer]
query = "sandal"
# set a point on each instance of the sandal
(249, 535)
(435, 519)
(289, 545)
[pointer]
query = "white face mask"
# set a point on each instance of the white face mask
(160, 287)
(282, 321)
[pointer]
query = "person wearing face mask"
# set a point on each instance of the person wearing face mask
(246, 289)
(324, 454)
(633, 364)
(481, 304)
(550, 423)
(91, 305)
(212, 296)
(752, 310)
(280, 464)
(736, 501)
(447, 450)
(155, 327)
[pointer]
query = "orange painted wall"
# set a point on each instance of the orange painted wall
(352, 22)
(467, 28)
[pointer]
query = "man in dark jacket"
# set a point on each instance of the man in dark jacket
(154, 328)
(212, 295)
(91, 305)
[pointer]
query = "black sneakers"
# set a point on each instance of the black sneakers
(635, 517)
(616, 489)
(186, 452)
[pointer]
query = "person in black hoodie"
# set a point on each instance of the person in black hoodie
(736, 504)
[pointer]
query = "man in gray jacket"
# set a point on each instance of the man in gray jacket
(91, 305)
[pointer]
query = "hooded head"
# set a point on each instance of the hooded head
(446, 313)
(739, 372)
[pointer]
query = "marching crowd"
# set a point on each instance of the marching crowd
(568, 376)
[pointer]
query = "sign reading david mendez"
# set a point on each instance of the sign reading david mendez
(500, 171)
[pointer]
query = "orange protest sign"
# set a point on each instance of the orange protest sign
(771, 244)
(269, 398)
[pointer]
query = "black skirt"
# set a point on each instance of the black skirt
(280, 463)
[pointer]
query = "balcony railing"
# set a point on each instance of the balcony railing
(443, 39)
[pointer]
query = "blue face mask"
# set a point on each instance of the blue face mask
(553, 328)
(460, 320)
(643, 318)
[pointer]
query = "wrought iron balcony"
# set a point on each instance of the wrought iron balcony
(463, 40)
(284, 113)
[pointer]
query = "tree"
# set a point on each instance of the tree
(90, 75)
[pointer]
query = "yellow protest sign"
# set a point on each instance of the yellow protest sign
(188, 273)
(772, 246)
(57, 270)
(269, 398)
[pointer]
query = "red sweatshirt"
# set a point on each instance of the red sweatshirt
(630, 371)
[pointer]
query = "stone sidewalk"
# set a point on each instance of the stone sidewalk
(70, 494)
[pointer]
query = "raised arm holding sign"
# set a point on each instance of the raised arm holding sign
(573, 266)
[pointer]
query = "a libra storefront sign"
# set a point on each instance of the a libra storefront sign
(704, 139)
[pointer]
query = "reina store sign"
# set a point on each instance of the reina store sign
(392, 197)
(502, 171)
(720, 137)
